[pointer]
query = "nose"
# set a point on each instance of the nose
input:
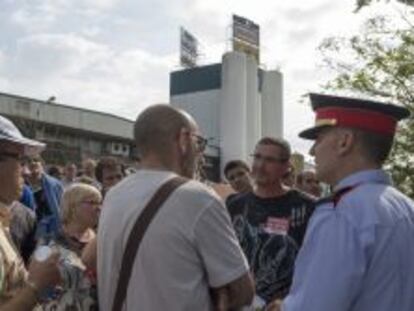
(312, 150)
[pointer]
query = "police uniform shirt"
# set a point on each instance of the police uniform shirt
(358, 254)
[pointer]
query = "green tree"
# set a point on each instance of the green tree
(362, 3)
(379, 61)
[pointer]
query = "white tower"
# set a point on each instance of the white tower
(253, 106)
(272, 104)
(235, 103)
(233, 108)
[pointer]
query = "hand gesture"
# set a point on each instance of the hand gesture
(45, 273)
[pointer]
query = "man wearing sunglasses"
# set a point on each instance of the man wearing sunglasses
(19, 289)
(271, 220)
(189, 250)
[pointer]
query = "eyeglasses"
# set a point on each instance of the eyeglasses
(200, 141)
(11, 155)
(268, 159)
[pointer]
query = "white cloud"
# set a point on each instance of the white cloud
(45, 56)
(115, 56)
(85, 73)
(2, 59)
(4, 84)
(59, 15)
(97, 4)
(34, 20)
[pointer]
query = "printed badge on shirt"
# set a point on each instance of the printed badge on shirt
(276, 225)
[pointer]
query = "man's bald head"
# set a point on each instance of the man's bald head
(157, 127)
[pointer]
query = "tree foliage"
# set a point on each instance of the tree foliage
(362, 3)
(379, 62)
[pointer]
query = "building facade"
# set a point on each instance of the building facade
(70, 133)
(235, 103)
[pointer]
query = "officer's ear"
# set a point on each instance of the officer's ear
(346, 139)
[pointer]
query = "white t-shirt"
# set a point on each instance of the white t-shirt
(189, 246)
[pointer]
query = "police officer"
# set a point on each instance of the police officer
(358, 253)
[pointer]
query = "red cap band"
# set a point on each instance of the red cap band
(357, 118)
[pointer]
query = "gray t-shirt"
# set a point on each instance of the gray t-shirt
(189, 247)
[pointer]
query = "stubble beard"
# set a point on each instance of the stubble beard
(188, 165)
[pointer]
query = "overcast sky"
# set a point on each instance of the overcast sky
(115, 55)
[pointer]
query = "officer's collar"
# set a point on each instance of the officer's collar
(367, 176)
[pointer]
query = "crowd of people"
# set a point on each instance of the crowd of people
(158, 236)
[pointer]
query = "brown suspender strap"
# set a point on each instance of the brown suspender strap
(137, 233)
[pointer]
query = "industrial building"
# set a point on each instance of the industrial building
(70, 133)
(235, 103)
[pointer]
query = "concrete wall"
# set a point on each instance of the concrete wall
(204, 107)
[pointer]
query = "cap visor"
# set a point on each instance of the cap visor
(312, 133)
(31, 147)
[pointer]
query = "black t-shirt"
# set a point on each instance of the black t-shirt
(271, 231)
(42, 207)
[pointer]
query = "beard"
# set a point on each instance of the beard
(188, 164)
(260, 177)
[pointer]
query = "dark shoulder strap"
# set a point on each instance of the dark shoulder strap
(137, 233)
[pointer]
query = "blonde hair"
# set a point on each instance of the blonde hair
(73, 196)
